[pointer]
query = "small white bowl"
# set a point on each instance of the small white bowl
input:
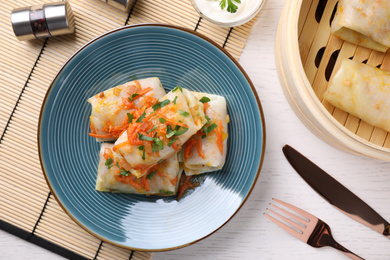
(236, 19)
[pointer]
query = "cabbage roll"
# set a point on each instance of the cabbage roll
(162, 179)
(206, 151)
(363, 91)
(157, 132)
(364, 23)
(110, 108)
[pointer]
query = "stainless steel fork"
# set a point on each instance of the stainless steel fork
(311, 230)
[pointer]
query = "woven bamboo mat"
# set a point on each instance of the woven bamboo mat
(27, 208)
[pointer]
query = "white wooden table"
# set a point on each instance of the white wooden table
(250, 235)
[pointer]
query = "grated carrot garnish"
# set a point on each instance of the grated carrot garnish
(188, 150)
(176, 146)
(145, 183)
(142, 92)
(108, 153)
(174, 181)
(118, 130)
(100, 135)
(106, 128)
(206, 105)
(199, 148)
(129, 180)
(171, 121)
(120, 145)
(132, 134)
(93, 130)
(135, 185)
(219, 130)
(137, 84)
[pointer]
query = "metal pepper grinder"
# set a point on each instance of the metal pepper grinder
(43, 21)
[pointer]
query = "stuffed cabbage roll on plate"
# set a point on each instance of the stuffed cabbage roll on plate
(206, 151)
(363, 91)
(110, 108)
(162, 179)
(157, 132)
(364, 23)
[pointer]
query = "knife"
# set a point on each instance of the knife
(335, 193)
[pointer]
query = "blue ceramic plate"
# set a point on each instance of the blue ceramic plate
(69, 156)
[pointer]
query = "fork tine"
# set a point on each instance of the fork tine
(296, 217)
(290, 230)
(298, 210)
(292, 223)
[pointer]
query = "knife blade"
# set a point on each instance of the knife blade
(335, 193)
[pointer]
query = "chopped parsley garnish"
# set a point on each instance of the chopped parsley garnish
(181, 131)
(174, 101)
(161, 104)
(159, 161)
(172, 141)
(130, 118)
(178, 88)
(166, 192)
(141, 147)
(144, 137)
(153, 128)
(177, 131)
(143, 155)
(170, 131)
(139, 120)
(162, 120)
(204, 99)
(154, 148)
(231, 7)
(157, 143)
(208, 129)
(124, 172)
(131, 98)
(183, 113)
(150, 175)
(108, 161)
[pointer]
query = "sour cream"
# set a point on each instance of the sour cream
(210, 10)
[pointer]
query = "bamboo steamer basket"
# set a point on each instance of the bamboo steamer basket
(307, 55)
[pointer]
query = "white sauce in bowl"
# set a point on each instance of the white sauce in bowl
(212, 10)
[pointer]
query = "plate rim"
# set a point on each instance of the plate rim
(195, 33)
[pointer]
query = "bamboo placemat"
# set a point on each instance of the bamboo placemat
(27, 208)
